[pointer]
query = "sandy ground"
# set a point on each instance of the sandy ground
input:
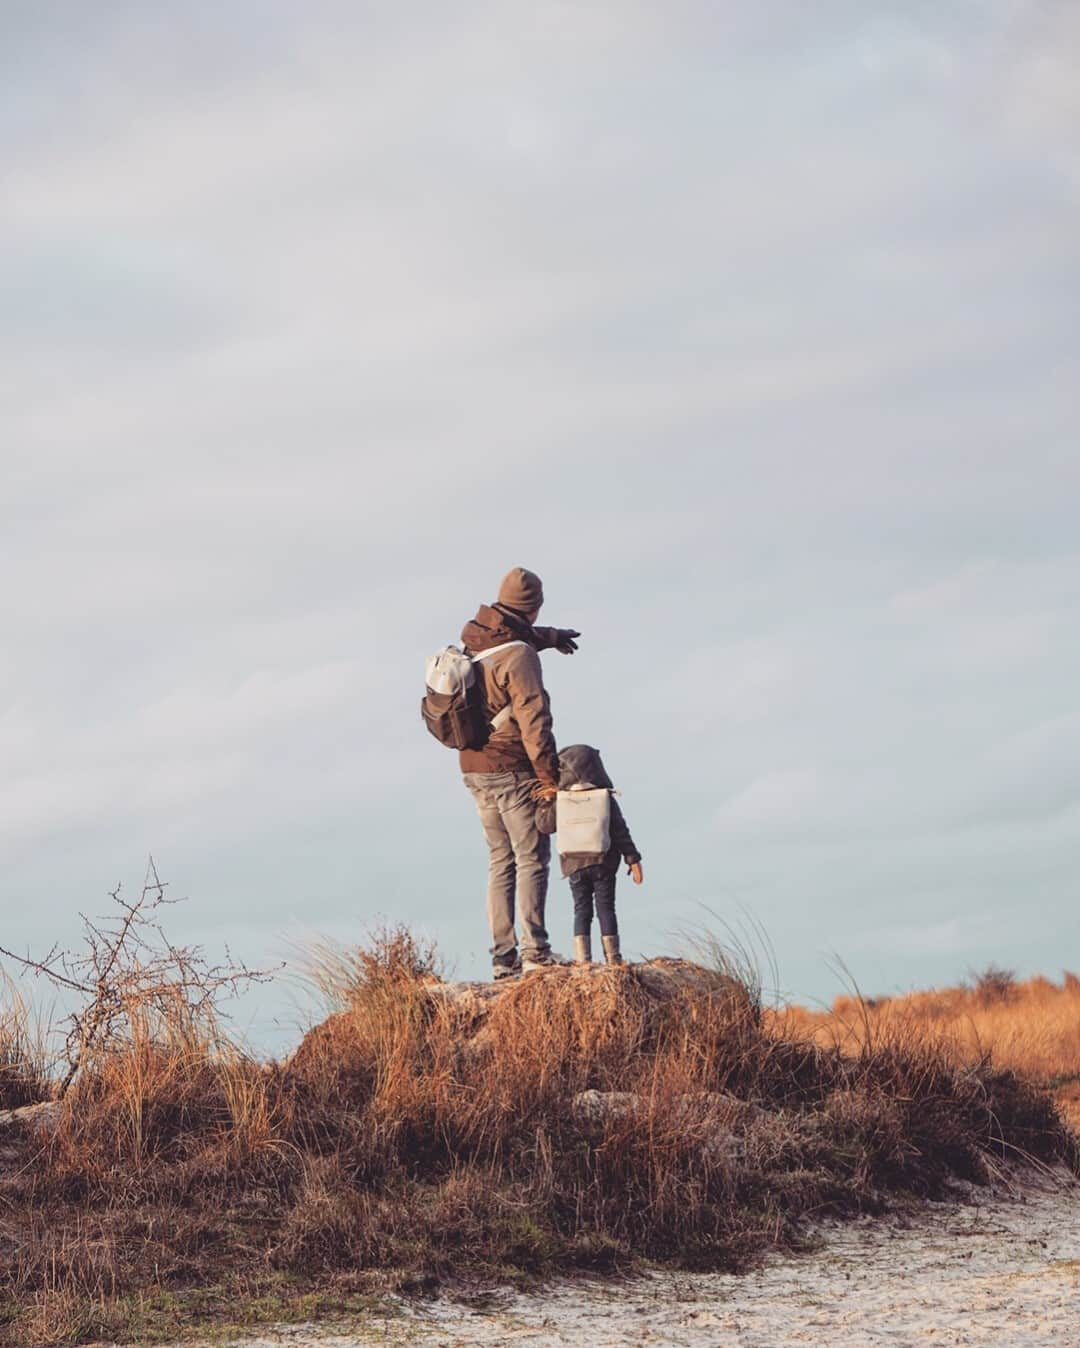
(997, 1270)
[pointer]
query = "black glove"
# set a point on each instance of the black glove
(564, 640)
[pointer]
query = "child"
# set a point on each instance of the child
(592, 878)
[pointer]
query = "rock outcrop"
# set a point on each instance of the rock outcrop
(657, 987)
(39, 1118)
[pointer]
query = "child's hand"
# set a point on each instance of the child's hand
(634, 870)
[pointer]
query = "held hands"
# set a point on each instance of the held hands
(564, 640)
(543, 791)
(634, 871)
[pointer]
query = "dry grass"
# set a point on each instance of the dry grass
(1031, 1027)
(578, 1122)
(23, 1058)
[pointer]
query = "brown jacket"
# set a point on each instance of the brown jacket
(513, 677)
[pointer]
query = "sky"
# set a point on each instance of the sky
(751, 329)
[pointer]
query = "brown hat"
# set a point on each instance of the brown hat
(521, 590)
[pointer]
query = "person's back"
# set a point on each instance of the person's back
(511, 678)
(592, 875)
(517, 763)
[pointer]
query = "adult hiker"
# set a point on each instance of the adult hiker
(516, 766)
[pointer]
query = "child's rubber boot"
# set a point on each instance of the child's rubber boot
(612, 954)
(582, 949)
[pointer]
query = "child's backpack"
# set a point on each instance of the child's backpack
(583, 821)
(453, 706)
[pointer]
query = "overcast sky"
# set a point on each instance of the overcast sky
(752, 329)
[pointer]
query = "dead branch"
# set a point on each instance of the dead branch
(130, 972)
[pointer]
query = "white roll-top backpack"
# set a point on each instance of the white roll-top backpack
(583, 821)
(453, 705)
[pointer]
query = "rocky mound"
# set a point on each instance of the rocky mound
(659, 992)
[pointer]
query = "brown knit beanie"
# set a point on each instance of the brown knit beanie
(521, 590)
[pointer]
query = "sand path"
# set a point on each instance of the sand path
(1000, 1270)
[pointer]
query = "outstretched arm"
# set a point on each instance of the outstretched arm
(556, 638)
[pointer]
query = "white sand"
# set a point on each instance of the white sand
(1001, 1271)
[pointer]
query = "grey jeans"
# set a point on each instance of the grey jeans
(518, 863)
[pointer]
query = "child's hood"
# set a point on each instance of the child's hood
(582, 763)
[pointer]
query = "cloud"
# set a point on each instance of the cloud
(1041, 105)
(755, 337)
(775, 801)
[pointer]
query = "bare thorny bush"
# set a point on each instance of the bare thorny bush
(130, 980)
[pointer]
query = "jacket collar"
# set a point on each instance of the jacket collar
(517, 623)
(494, 626)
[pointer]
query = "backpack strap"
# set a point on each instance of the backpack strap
(501, 717)
(507, 713)
(504, 646)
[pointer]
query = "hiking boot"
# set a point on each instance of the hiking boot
(501, 971)
(612, 954)
(582, 949)
(545, 960)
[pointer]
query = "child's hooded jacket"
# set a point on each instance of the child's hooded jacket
(581, 765)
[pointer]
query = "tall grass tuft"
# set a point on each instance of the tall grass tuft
(24, 1064)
